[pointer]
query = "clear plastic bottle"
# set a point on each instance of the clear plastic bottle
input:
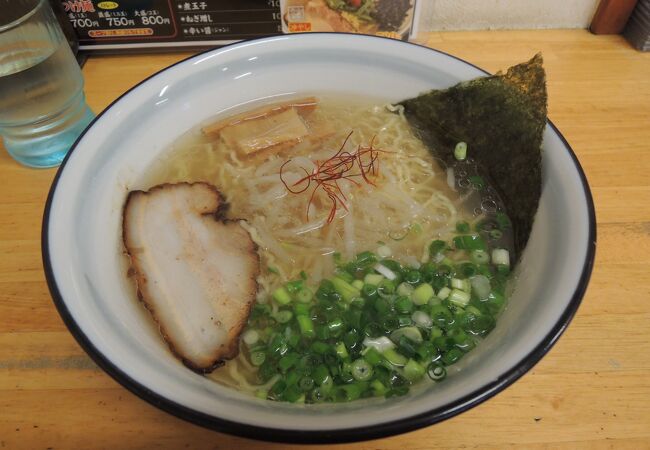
(42, 105)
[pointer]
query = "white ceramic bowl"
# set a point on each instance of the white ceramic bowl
(82, 237)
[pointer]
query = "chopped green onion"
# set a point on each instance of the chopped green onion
(327, 385)
(406, 347)
(384, 251)
(281, 295)
(369, 291)
(341, 351)
(361, 370)
(480, 286)
(372, 356)
(279, 387)
(459, 298)
(345, 289)
(462, 284)
(257, 358)
(422, 319)
(428, 271)
(321, 375)
(469, 242)
(452, 356)
(403, 304)
(386, 288)
(382, 306)
(435, 333)
(436, 247)
(378, 388)
(436, 372)
(381, 344)
(287, 362)
(422, 294)
(411, 333)
(352, 339)
(293, 339)
(278, 345)
(283, 316)
(495, 301)
(336, 325)
(394, 358)
(413, 371)
(304, 295)
(301, 309)
(366, 330)
(294, 286)
(460, 151)
(404, 321)
(413, 277)
(261, 394)
(250, 337)
(372, 329)
(404, 289)
(477, 181)
(477, 324)
(364, 260)
(306, 326)
(468, 269)
(462, 227)
(273, 270)
(373, 279)
(480, 256)
(443, 293)
(501, 256)
(344, 275)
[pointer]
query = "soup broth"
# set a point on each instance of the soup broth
(389, 201)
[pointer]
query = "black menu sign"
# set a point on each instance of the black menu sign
(142, 24)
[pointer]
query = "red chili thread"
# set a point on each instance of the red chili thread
(327, 174)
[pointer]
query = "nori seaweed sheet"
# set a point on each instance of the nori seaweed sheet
(501, 118)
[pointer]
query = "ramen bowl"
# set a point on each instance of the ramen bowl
(83, 254)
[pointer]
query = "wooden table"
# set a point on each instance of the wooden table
(591, 391)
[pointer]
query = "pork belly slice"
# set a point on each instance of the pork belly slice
(194, 270)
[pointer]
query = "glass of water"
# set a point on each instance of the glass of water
(42, 105)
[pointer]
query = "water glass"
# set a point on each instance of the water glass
(42, 105)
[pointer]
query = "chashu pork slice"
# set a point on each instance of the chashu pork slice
(194, 270)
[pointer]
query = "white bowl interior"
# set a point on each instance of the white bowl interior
(85, 217)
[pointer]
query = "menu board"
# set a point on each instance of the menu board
(141, 24)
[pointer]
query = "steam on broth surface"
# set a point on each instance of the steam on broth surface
(365, 287)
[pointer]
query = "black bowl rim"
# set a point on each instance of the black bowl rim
(334, 435)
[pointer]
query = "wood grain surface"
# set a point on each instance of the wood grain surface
(591, 391)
